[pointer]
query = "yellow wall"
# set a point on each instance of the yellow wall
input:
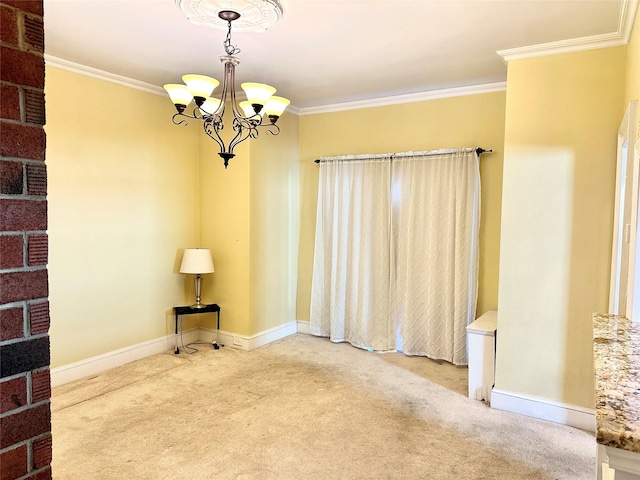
(562, 116)
(225, 229)
(274, 226)
(248, 218)
(122, 203)
(474, 120)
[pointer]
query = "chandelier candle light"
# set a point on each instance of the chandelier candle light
(248, 115)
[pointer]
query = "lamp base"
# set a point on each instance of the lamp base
(198, 285)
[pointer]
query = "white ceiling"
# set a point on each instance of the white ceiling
(326, 52)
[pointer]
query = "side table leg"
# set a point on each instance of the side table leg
(177, 350)
(217, 344)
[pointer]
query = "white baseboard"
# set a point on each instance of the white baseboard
(303, 327)
(544, 409)
(273, 334)
(248, 342)
(100, 363)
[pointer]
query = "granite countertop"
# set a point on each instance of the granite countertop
(616, 349)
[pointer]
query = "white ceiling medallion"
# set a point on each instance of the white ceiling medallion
(255, 15)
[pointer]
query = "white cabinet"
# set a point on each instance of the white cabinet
(481, 342)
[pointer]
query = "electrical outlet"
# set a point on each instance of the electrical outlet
(237, 341)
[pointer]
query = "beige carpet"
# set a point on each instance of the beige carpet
(300, 408)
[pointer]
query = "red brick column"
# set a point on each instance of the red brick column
(25, 383)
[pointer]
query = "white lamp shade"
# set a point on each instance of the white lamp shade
(197, 260)
(276, 105)
(200, 85)
(210, 105)
(258, 92)
(179, 94)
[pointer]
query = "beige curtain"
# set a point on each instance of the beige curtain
(396, 252)
(350, 287)
(435, 234)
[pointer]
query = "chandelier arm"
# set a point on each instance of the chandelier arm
(272, 129)
(183, 121)
(219, 113)
(227, 84)
(243, 132)
(243, 127)
(212, 125)
(232, 81)
(248, 129)
(199, 116)
(226, 81)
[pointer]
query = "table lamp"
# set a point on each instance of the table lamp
(197, 261)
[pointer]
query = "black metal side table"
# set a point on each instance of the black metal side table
(211, 308)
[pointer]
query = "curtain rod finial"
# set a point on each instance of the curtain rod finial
(480, 151)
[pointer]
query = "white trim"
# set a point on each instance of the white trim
(624, 272)
(80, 69)
(292, 109)
(544, 409)
(618, 222)
(377, 102)
(485, 324)
(571, 45)
(628, 11)
(276, 333)
(224, 338)
(623, 460)
(632, 310)
(304, 327)
(248, 342)
(614, 39)
(100, 363)
(407, 98)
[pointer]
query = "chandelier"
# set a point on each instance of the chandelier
(248, 115)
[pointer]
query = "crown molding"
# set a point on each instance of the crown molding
(407, 98)
(618, 38)
(563, 46)
(628, 12)
(80, 69)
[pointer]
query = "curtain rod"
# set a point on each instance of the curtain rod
(479, 151)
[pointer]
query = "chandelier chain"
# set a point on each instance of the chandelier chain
(230, 49)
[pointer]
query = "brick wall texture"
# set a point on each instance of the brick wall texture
(25, 381)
